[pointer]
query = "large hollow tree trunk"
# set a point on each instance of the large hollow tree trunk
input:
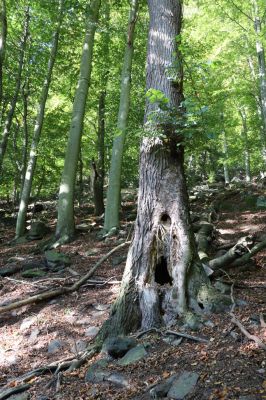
(65, 227)
(11, 112)
(163, 277)
(111, 218)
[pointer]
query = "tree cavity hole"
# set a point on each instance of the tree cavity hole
(161, 272)
(165, 220)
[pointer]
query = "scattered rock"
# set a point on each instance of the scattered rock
(55, 345)
(79, 346)
(92, 331)
(118, 379)
(37, 230)
(184, 385)
(95, 373)
(172, 340)
(33, 273)
(20, 396)
(117, 347)
(133, 355)
(118, 260)
(93, 252)
(161, 390)
(83, 227)
(55, 260)
(26, 323)
(102, 307)
(222, 287)
(261, 202)
(33, 335)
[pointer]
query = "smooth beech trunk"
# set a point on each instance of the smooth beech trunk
(163, 276)
(11, 112)
(3, 34)
(262, 74)
(111, 218)
(99, 164)
(26, 190)
(244, 134)
(65, 222)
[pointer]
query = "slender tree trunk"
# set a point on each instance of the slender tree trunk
(98, 181)
(25, 195)
(244, 133)
(262, 74)
(11, 112)
(3, 34)
(163, 275)
(225, 151)
(99, 165)
(65, 223)
(25, 95)
(111, 218)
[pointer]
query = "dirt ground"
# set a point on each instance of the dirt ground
(230, 365)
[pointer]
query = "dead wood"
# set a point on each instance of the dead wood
(13, 390)
(11, 270)
(246, 257)
(62, 290)
(203, 239)
(187, 336)
(238, 250)
(255, 338)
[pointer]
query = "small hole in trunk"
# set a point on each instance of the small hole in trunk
(161, 273)
(165, 220)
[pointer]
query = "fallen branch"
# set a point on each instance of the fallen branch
(246, 257)
(14, 390)
(246, 333)
(187, 336)
(62, 290)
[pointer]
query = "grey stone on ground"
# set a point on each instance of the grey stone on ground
(101, 307)
(173, 340)
(161, 390)
(79, 346)
(26, 265)
(261, 202)
(54, 259)
(118, 346)
(55, 345)
(33, 336)
(27, 322)
(37, 230)
(20, 396)
(183, 385)
(83, 227)
(95, 373)
(33, 273)
(92, 331)
(118, 260)
(93, 252)
(133, 355)
(222, 287)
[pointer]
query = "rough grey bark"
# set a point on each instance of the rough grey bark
(244, 134)
(25, 195)
(65, 222)
(111, 218)
(163, 275)
(11, 112)
(25, 95)
(3, 34)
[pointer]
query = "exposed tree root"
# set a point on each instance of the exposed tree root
(174, 333)
(255, 338)
(62, 290)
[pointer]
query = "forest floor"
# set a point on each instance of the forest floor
(230, 366)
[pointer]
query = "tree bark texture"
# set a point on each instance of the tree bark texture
(163, 274)
(65, 222)
(26, 190)
(244, 134)
(10, 115)
(111, 218)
